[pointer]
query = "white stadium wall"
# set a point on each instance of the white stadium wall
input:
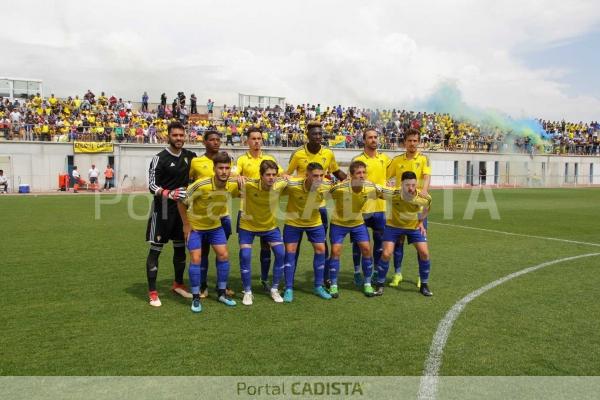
(39, 164)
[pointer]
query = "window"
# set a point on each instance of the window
(456, 172)
(496, 172)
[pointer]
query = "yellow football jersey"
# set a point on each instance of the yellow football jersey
(260, 206)
(376, 173)
(419, 164)
(302, 157)
(348, 204)
(405, 213)
(303, 205)
(249, 166)
(201, 167)
(206, 203)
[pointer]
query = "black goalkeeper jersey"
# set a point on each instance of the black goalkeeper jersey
(169, 171)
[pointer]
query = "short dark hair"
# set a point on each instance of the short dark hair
(267, 164)
(1, 170)
(354, 165)
(408, 175)
(312, 166)
(211, 132)
(253, 129)
(370, 129)
(175, 125)
(412, 132)
(313, 124)
(221, 158)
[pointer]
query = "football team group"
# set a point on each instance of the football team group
(389, 196)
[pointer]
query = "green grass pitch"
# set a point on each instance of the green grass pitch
(74, 299)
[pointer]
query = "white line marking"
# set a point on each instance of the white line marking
(429, 380)
(516, 234)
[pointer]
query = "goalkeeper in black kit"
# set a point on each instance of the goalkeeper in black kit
(168, 179)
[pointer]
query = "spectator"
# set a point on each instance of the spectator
(76, 178)
(193, 100)
(145, 102)
(93, 174)
(109, 176)
(3, 182)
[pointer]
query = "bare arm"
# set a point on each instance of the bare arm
(426, 182)
(182, 208)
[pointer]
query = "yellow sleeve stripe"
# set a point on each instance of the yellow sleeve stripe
(202, 182)
(197, 186)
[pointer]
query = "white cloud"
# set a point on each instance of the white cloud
(384, 54)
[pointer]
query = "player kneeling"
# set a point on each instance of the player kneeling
(409, 208)
(207, 199)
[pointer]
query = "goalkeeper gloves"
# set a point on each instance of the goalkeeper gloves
(175, 194)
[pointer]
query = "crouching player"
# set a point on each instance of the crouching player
(349, 197)
(305, 196)
(409, 209)
(260, 203)
(207, 200)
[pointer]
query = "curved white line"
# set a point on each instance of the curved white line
(429, 380)
(516, 234)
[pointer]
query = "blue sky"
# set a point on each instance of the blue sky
(579, 57)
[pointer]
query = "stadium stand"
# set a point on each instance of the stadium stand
(103, 118)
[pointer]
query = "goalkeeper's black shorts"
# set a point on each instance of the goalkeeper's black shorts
(164, 224)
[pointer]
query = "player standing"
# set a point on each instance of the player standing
(203, 167)
(168, 178)
(261, 200)
(411, 160)
(314, 151)
(207, 199)
(248, 166)
(374, 210)
(349, 197)
(407, 219)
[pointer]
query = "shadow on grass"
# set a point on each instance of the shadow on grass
(139, 290)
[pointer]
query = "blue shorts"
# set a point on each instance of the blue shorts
(375, 221)
(211, 236)
(247, 237)
(226, 224)
(357, 233)
(392, 234)
(292, 234)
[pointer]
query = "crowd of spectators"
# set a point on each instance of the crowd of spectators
(104, 118)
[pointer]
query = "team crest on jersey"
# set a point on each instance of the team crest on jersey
(172, 164)
(417, 165)
(324, 160)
